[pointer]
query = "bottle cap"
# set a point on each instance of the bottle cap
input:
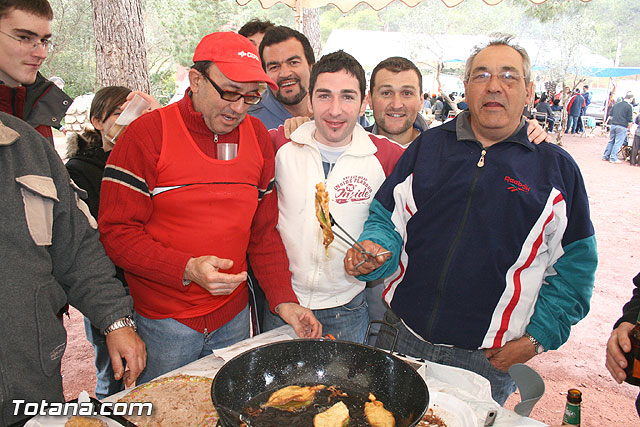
(574, 396)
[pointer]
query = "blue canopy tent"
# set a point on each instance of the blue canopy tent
(611, 71)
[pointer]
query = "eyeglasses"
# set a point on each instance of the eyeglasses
(230, 96)
(27, 42)
(508, 78)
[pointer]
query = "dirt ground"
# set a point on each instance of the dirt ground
(614, 194)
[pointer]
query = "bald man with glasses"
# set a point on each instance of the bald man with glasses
(25, 40)
(182, 220)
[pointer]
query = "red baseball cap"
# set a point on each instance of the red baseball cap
(235, 56)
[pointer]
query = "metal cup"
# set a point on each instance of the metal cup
(227, 151)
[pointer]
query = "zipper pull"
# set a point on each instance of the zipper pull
(215, 138)
(481, 161)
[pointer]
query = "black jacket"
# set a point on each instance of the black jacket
(86, 171)
(621, 114)
(631, 309)
(41, 104)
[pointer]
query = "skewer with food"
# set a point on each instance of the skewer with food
(322, 213)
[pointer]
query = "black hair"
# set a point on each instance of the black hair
(338, 61)
(279, 34)
(202, 66)
(107, 100)
(254, 26)
(35, 7)
(395, 64)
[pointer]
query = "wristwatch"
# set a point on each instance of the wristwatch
(536, 344)
(123, 322)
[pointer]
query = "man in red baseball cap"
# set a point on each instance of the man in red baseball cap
(187, 196)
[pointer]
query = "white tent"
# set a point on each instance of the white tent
(371, 47)
(347, 5)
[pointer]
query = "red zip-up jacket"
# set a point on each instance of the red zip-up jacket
(126, 206)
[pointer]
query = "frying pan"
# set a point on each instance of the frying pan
(345, 365)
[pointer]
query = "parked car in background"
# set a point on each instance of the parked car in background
(597, 106)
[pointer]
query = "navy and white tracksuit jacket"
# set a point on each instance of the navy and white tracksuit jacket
(487, 243)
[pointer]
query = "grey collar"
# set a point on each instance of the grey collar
(465, 132)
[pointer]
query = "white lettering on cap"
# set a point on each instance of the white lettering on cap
(242, 54)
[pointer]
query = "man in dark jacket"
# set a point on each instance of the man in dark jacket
(619, 342)
(543, 107)
(25, 31)
(52, 256)
(574, 108)
(587, 100)
(511, 300)
(621, 116)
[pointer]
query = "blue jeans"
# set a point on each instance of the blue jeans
(617, 134)
(502, 385)
(580, 126)
(572, 123)
(170, 344)
(106, 384)
(551, 123)
(347, 322)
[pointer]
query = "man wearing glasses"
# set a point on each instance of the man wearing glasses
(181, 219)
(493, 252)
(25, 31)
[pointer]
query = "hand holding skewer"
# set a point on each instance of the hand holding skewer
(365, 258)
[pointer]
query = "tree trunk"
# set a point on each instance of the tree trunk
(311, 29)
(121, 54)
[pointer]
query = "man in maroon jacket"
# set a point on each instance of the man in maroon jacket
(181, 220)
(25, 32)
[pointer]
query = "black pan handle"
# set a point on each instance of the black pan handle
(382, 322)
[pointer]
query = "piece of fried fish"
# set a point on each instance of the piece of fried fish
(336, 416)
(377, 415)
(293, 397)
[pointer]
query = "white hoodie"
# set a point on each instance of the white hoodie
(319, 279)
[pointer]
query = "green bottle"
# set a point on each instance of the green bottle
(572, 410)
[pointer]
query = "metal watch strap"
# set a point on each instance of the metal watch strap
(123, 322)
(536, 344)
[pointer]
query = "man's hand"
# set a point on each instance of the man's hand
(301, 320)
(516, 351)
(292, 124)
(618, 344)
(356, 264)
(125, 344)
(204, 271)
(536, 133)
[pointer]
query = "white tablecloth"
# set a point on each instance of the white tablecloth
(467, 386)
